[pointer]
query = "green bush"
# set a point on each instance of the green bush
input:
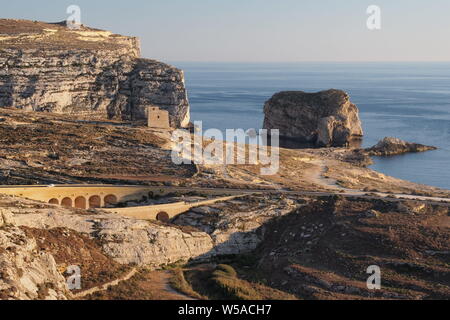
(227, 270)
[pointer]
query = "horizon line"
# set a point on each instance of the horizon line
(309, 61)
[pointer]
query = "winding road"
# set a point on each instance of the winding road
(349, 193)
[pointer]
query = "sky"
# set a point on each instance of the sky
(262, 30)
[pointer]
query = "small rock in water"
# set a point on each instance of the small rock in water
(393, 146)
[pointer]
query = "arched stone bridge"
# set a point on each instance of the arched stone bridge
(82, 196)
(103, 196)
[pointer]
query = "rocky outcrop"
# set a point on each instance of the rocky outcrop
(26, 273)
(88, 72)
(237, 226)
(126, 240)
(393, 146)
(146, 244)
(326, 118)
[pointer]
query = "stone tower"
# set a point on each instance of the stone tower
(158, 118)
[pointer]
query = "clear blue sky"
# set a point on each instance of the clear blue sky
(263, 30)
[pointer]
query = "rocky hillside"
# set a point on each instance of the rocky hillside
(49, 148)
(282, 247)
(88, 72)
(322, 250)
(37, 241)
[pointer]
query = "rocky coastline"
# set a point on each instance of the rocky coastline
(69, 101)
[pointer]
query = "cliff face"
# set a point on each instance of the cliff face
(26, 271)
(88, 72)
(326, 118)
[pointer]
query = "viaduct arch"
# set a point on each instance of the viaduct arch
(110, 200)
(66, 202)
(95, 202)
(80, 203)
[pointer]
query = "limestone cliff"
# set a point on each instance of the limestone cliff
(88, 72)
(326, 118)
(26, 273)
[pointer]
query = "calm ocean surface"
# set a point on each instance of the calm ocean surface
(410, 101)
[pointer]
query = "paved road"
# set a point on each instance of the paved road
(345, 193)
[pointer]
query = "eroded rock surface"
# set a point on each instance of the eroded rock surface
(326, 118)
(237, 226)
(88, 72)
(26, 273)
(126, 240)
(393, 146)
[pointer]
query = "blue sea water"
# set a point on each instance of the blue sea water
(410, 101)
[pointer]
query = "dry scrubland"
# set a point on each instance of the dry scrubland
(262, 246)
(34, 34)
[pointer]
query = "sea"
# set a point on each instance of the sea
(410, 101)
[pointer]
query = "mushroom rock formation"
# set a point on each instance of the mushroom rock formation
(325, 119)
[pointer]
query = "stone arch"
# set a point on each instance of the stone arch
(66, 202)
(53, 201)
(80, 203)
(163, 217)
(110, 200)
(95, 202)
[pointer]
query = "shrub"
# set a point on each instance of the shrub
(227, 270)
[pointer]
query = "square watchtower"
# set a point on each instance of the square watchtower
(158, 118)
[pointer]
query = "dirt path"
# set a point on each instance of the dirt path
(136, 285)
(160, 281)
(317, 176)
(106, 286)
